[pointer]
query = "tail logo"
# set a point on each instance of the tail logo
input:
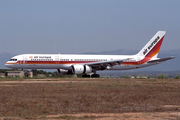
(145, 51)
(151, 45)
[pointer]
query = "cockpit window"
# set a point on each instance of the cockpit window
(13, 59)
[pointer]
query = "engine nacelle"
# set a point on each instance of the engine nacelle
(64, 72)
(81, 69)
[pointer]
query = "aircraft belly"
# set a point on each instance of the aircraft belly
(54, 66)
(40, 66)
(128, 67)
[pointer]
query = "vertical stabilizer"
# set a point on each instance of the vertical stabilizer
(151, 49)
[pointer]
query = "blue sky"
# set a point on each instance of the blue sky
(78, 26)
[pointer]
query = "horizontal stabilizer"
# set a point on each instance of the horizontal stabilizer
(161, 59)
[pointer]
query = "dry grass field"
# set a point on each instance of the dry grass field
(89, 99)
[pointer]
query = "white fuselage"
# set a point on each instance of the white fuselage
(65, 61)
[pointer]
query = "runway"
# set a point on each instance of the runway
(94, 98)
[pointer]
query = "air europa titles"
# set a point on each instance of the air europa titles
(40, 58)
(151, 45)
(46, 57)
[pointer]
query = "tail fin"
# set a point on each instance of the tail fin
(151, 49)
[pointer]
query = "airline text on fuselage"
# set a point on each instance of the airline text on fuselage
(46, 57)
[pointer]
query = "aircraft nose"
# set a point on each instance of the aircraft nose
(7, 64)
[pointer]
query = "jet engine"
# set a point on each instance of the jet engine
(64, 72)
(81, 69)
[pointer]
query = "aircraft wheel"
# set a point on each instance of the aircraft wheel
(86, 76)
(95, 75)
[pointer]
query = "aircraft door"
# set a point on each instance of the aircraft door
(57, 59)
(139, 60)
(24, 59)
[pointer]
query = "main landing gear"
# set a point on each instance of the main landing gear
(95, 75)
(92, 76)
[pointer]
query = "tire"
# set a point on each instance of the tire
(95, 75)
(86, 76)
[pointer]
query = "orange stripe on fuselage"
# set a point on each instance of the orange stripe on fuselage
(10, 63)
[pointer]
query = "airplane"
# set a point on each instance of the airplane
(87, 65)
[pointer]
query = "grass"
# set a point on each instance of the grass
(31, 100)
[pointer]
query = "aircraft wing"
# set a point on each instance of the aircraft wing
(103, 64)
(161, 60)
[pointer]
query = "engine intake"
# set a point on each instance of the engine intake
(81, 69)
(64, 72)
